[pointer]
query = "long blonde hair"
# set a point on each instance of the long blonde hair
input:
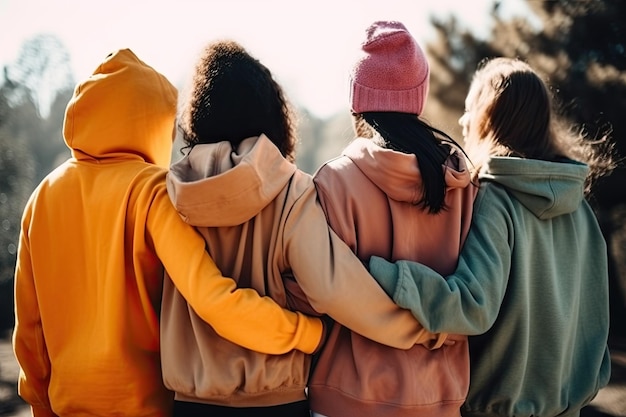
(514, 115)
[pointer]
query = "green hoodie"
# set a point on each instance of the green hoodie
(531, 284)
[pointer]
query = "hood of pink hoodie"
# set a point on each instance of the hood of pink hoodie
(397, 174)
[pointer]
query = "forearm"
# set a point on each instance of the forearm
(336, 282)
(239, 315)
(466, 302)
(439, 304)
(244, 317)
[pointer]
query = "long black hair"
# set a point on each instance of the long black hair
(407, 133)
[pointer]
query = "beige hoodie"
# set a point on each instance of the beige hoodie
(262, 222)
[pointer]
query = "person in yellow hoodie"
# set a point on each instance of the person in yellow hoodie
(97, 235)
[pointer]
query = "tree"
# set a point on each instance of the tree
(580, 48)
(41, 70)
(38, 86)
(321, 140)
(38, 83)
(16, 182)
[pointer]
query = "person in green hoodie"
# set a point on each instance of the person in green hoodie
(531, 284)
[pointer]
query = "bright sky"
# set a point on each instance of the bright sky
(309, 46)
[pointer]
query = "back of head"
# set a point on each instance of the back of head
(514, 115)
(389, 86)
(232, 97)
(125, 107)
(512, 110)
(391, 74)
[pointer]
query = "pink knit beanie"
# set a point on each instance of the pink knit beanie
(392, 73)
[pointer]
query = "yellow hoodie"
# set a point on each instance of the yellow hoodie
(96, 235)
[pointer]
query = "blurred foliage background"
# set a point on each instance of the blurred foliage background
(578, 46)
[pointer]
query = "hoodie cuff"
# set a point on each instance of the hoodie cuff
(314, 334)
(38, 411)
(385, 273)
(327, 324)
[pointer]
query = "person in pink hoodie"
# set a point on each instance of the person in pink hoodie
(400, 190)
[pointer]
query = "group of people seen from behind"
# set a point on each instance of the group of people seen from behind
(408, 276)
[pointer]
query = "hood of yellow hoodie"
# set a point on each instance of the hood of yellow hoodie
(124, 110)
(215, 185)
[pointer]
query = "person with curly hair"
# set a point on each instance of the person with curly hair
(263, 224)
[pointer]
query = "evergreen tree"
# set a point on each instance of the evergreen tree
(42, 69)
(38, 83)
(16, 182)
(38, 86)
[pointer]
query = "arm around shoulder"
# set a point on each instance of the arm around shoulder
(336, 282)
(240, 315)
(466, 302)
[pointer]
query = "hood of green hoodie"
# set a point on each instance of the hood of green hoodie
(547, 189)
(124, 110)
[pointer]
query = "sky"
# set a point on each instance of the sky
(308, 45)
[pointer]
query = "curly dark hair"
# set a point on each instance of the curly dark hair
(232, 97)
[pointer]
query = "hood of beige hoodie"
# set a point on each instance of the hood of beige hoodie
(215, 185)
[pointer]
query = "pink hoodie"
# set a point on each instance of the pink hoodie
(369, 195)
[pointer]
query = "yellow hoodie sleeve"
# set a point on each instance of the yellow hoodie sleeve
(237, 314)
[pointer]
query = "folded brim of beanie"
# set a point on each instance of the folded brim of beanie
(365, 99)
